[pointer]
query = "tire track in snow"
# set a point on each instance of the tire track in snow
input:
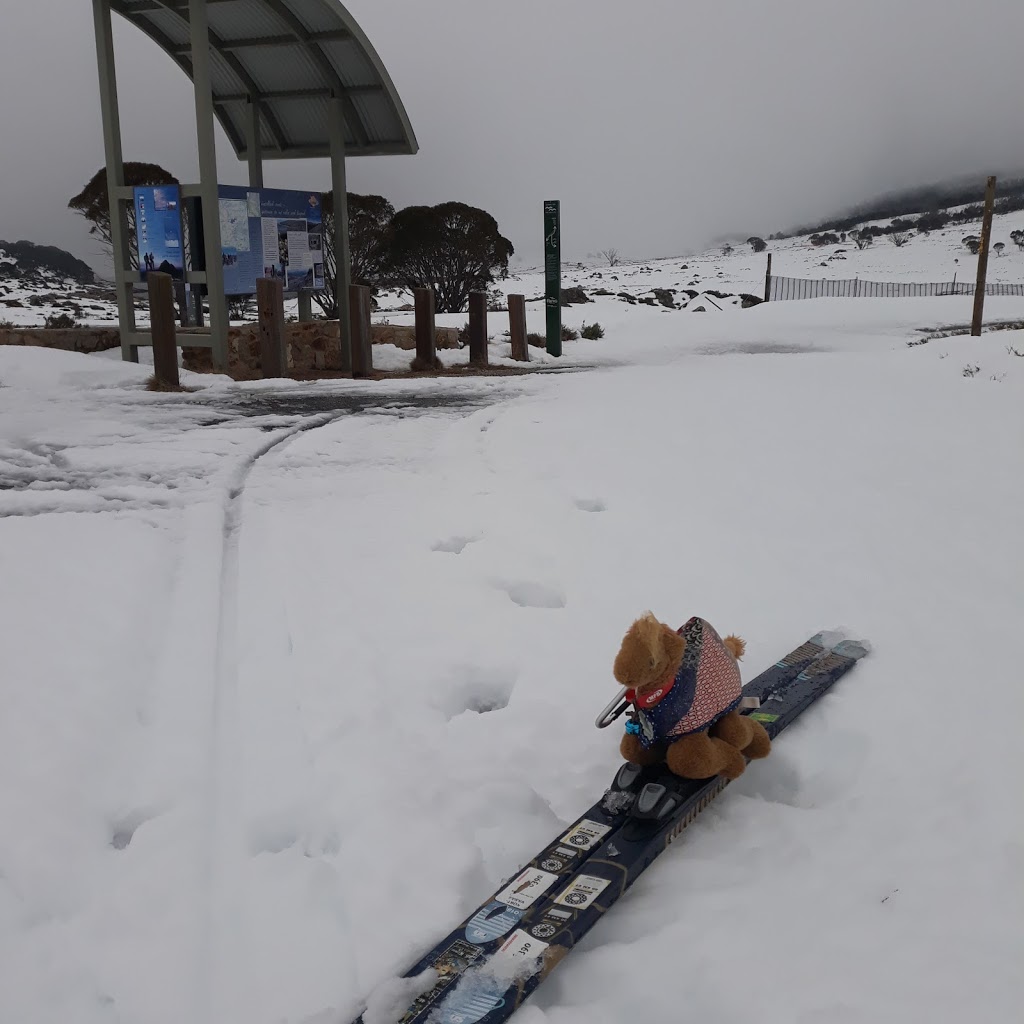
(216, 910)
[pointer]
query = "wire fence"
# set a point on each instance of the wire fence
(855, 288)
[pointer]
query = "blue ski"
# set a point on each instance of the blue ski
(485, 969)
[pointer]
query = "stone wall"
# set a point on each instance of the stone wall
(72, 339)
(312, 347)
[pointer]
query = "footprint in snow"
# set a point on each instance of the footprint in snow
(454, 545)
(534, 595)
(123, 831)
(474, 688)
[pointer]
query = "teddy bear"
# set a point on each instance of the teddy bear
(685, 689)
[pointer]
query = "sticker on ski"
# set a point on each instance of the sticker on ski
(583, 891)
(585, 834)
(526, 888)
(491, 922)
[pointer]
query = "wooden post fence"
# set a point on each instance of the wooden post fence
(986, 235)
(359, 319)
(426, 341)
(162, 325)
(768, 280)
(517, 327)
(477, 328)
(270, 307)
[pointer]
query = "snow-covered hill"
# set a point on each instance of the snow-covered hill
(38, 282)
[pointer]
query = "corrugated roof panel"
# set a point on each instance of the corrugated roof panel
(225, 79)
(283, 67)
(293, 63)
(349, 63)
(378, 116)
(169, 24)
(306, 119)
(315, 15)
(243, 19)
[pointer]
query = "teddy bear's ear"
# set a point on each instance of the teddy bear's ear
(649, 630)
(639, 651)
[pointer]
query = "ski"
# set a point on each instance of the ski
(492, 962)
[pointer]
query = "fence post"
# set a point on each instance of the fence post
(305, 300)
(270, 310)
(986, 234)
(517, 327)
(161, 319)
(426, 339)
(768, 280)
(359, 322)
(477, 328)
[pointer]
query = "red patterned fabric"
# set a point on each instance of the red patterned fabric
(719, 686)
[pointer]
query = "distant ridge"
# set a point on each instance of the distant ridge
(29, 258)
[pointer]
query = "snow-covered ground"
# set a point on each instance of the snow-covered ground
(296, 675)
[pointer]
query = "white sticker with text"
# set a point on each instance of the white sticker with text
(585, 834)
(583, 891)
(526, 888)
(521, 946)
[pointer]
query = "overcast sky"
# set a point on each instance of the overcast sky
(660, 124)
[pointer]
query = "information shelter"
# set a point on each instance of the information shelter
(286, 79)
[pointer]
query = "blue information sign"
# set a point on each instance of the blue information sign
(158, 231)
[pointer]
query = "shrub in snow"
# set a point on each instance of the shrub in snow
(59, 322)
(568, 334)
(973, 244)
(899, 238)
(592, 332)
(999, 247)
(757, 244)
(573, 295)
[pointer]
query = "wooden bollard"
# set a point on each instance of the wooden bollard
(162, 325)
(270, 305)
(477, 328)
(359, 319)
(517, 327)
(426, 340)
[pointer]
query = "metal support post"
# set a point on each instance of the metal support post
(341, 240)
(115, 176)
(255, 145)
(207, 141)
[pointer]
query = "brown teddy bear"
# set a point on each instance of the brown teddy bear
(685, 689)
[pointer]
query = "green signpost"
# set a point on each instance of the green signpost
(553, 275)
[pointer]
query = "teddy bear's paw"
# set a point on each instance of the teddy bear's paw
(735, 729)
(760, 744)
(633, 750)
(700, 756)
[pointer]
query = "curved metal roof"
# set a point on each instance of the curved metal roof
(291, 57)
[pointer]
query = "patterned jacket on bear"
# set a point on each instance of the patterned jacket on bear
(706, 687)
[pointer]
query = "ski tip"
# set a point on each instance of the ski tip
(842, 641)
(855, 649)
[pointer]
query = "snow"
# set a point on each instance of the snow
(298, 675)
